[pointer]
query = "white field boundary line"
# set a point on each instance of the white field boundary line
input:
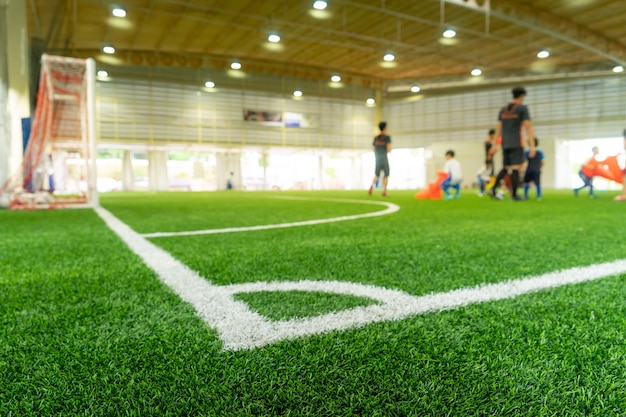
(391, 208)
(240, 328)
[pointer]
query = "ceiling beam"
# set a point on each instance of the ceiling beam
(56, 24)
(33, 7)
(173, 23)
(523, 15)
(146, 15)
(558, 27)
(324, 32)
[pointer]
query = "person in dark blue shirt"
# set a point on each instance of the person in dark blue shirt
(533, 170)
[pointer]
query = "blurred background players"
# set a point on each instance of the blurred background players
(485, 175)
(452, 167)
(489, 146)
(513, 119)
(382, 146)
(533, 171)
(586, 173)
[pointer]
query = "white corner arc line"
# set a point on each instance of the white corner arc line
(240, 328)
(391, 208)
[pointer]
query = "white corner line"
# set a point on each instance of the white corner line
(240, 328)
(391, 208)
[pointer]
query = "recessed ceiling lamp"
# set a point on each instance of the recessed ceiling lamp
(416, 89)
(118, 11)
(273, 37)
(370, 101)
(108, 49)
(320, 5)
(618, 68)
(209, 84)
(544, 53)
(389, 57)
(102, 74)
(235, 65)
(476, 72)
(449, 33)
(297, 93)
(335, 78)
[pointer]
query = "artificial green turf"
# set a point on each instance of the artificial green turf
(216, 210)
(426, 246)
(284, 305)
(87, 329)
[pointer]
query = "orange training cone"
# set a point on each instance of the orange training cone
(609, 169)
(433, 191)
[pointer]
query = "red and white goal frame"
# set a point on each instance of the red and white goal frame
(59, 163)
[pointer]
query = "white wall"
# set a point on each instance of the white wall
(14, 85)
(570, 111)
(152, 112)
(165, 113)
(578, 109)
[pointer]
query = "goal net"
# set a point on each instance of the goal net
(59, 165)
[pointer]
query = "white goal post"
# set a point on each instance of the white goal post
(59, 163)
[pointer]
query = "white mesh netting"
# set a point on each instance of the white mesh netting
(55, 170)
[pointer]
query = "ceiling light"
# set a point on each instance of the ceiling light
(618, 68)
(476, 72)
(108, 49)
(543, 54)
(297, 93)
(415, 89)
(102, 73)
(371, 101)
(389, 57)
(449, 33)
(273, 37)
(335, 78)
(209, 84)
(118, 12)
(320, 5)
(235, 65)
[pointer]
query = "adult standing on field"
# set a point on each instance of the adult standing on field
(382, 146)
(513, 119)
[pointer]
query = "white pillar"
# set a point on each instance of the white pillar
(320, 172)
(5, 124)
(357, 177)
(14, 85)
(157, 171)
(128, 175)
(61, 173)
(266, 159)
(92, 140)
(227, 163)
(561, 160)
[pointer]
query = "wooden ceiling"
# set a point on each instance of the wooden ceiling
(349, 38)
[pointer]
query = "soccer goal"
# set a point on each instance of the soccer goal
(59, 165)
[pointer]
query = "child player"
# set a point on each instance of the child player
(533, 171)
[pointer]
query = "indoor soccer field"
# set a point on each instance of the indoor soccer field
(314, 304)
